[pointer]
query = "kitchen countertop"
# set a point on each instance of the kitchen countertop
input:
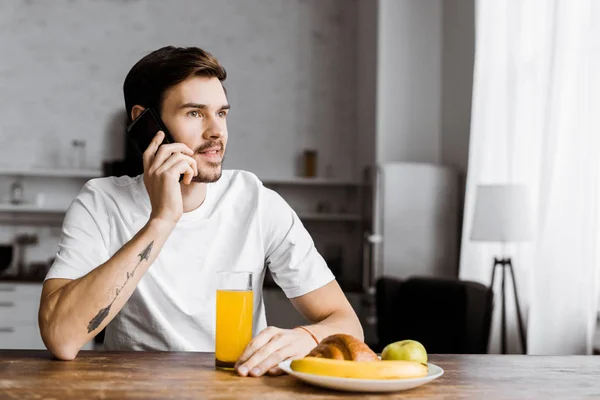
(33, 374)
(21, 279)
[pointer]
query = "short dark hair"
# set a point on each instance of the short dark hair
(149, 79)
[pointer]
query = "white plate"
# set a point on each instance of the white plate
(363, 385)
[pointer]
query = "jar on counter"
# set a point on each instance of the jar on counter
(310, 163)
(16, 192)
(78, 154)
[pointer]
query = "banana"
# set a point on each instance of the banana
(360, 369)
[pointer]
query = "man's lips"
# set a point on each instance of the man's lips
(212, 150)
(212, 154)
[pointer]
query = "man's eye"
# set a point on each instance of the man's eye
(222, 114)
(194, 114)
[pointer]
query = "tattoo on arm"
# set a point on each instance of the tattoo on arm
(103, 313)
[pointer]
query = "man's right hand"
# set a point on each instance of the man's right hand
(163, 166)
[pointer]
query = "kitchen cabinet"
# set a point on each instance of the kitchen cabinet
(336, 213)
(44, 194)
(19, 304)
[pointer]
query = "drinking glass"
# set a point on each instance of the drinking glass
(235, 301)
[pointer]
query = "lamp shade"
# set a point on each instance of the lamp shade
(502, 214)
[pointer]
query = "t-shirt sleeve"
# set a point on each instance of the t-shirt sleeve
(82, 245)
(290, 253)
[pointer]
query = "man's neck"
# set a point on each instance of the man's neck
(193, 195)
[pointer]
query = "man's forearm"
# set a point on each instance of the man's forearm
(338, 322)
(73, 314)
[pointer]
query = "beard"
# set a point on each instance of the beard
(209, 171)
(209, 174)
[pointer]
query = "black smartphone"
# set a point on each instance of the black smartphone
(143, 129)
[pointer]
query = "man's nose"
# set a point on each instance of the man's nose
(214, 130)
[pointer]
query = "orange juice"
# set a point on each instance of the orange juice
(234, 325)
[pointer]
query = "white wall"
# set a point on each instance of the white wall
(416, 69)
(291, 82)
(302, 73)
(458, 59)
(458, 62)
(422, 54)
(291, 66)
(368, 23)
(409, 81)
(293, 70)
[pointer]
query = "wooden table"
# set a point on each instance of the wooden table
(157, 375)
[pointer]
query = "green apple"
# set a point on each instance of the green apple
(408, 350)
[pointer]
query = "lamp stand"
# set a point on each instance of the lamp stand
(507, 263)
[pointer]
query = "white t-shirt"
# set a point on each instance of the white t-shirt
(241, 226)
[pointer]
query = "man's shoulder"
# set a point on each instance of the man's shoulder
(241, 187)
(111, 184)
(250, 187)
(236, 178)
(111, 190)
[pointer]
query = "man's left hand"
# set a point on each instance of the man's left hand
(272, 346)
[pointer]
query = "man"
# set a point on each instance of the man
(143, 252)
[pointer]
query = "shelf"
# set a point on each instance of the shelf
(16, 279)
(52, 173)
(329, 217)
(31, 208)
(30, 214)
(310, 182)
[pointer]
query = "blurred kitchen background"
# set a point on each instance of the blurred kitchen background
(359, 113)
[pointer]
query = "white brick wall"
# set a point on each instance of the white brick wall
(291, 65)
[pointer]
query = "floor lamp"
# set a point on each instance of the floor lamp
(502, 215)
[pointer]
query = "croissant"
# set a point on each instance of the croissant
(343, 347)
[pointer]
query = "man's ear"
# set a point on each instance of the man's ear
(136, 111)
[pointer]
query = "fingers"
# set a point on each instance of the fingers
(271, 347)
(254, 346)
(270, 359)
(177, 165)
(185, 170)
(154, 158)
(263, 359)
(173, 160)
(188, 175)
(176, 169)
(148, 154)
(166, 150)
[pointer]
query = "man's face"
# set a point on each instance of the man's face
(195, 112)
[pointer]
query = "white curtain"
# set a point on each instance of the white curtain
(536, 121)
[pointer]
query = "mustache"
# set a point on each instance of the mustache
(208, 145)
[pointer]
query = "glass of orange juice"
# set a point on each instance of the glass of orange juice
(235, 301)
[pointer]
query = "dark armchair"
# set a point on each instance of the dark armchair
(448, 316)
